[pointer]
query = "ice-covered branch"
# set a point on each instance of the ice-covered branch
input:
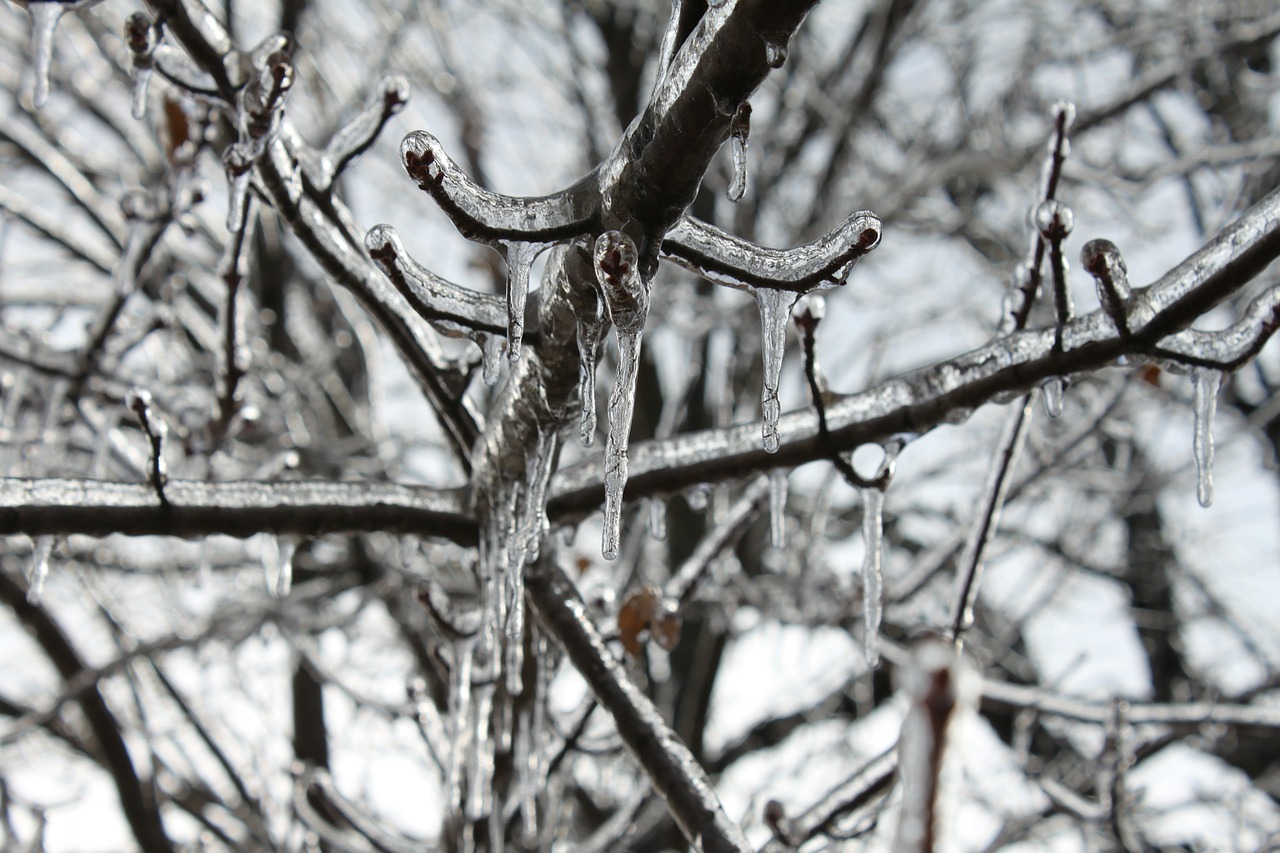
(918, 401)
(98, 508)
(672, 769)
(362, 130)
(725, 259)
(489, 217)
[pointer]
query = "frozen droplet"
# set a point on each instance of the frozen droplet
(44, 23)
(739, 133)
(1054, 389)
(1053, 219)
(775, 312)
(872, 582)
(775, 54)
(490, 353)
(1206, 382)
(958, 415)
(520, 257)
(778, 508)
(657, 518)
(140, 38)
(38, 571)
(698, 496)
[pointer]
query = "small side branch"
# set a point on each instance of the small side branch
(725, 259)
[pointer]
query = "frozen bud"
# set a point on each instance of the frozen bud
(1102, 260)
(424, 159)
(1053, 219)
(617, 270)
(140, 36)
(1064, 115)
(809, 312)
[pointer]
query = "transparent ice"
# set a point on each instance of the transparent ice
(1206, 383)
(44, 24)
(739, 134)
(38, 571)
(775, 312)
(872, 581)
(1054, 390)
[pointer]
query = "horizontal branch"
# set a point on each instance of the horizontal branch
(39, 507)
(1017, 697)
(916, 402)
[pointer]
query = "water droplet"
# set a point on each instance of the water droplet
(775, 54)
(775, 312)
(1206, 383)
(698, 496)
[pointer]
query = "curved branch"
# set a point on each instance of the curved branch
(725, 259)
(488, 217)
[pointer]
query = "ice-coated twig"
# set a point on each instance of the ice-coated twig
(969, 566)
(670, 766)
(362, 130)
(626, 297)
(739, 133)
(1054, 220)
(156, 430)
(725, 259)
(141, 37)
(488, 217)
(453, 310)
(1205, 383)
(685, 581)
(938, 688)
(1102, 260)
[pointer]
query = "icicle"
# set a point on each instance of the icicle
(239, 166)
(872, 583)
(1054, 390)
(460, 692)
(286, 548)
(657, 518)
(39, 570)
(775, 312)
(44, 23)
(778, 508)
(480, 773)
(520, 257)
(140, 36)
(739, 132)
(589, 329)
(1206, 383)
(627, 300)
(490, 353)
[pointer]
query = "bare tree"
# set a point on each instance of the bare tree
(479, 630)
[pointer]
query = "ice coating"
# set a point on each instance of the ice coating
(460, 693)
(44, 24)
(1054, 390)
(872, 581)
(627, 300)
(38, 572)
(739, 133)
(589, 330)
(1206, 382)
(775, 312)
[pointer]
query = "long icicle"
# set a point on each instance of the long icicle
(627, 299)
